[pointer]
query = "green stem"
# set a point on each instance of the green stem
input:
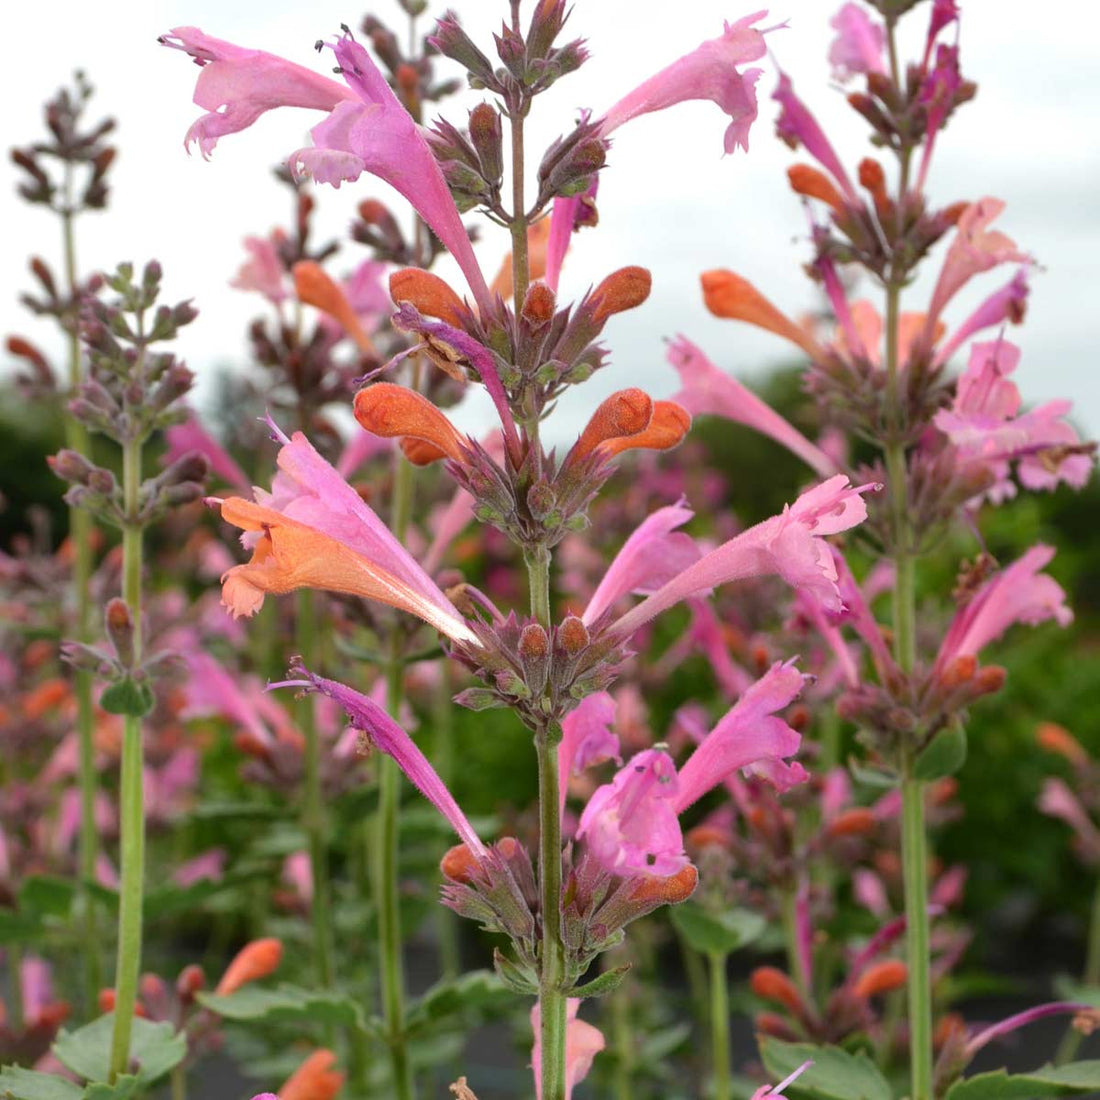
(131, 794)
(914, 857)
(552, 968)
(390, 940)
(520, 268)
(80, 534)
(720, 1026)
(1091, 978)
(313, 806)
(449, 951)
(178, 1082)
(15, 991)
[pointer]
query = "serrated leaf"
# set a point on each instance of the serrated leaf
(602, 984)
(834, 1075)
(154, 1048)
(479, 991)
(1067, 1080)
(286, 1004)
(17, 1083)
(128, 697)
(716, 933)
(944, 756)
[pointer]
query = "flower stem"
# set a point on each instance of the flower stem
(390, 941)
(313, 806)
(80, 534)
(520, 269)
(552, 969)
(720, 1026)
(131, 793)
(1091, 978)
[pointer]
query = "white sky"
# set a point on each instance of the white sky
(668, 199)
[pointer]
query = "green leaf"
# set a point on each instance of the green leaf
(869, 776)
(46, 895)
(123, 1088)
(154, 1048)
(944, 756)
(17, 1083)
(514, 976)
(716, 933)
(19, 927)
(834, 1075)
(478, 992)
(604, 983)
(1068, 1080)
(128, 697)
(286, 1004)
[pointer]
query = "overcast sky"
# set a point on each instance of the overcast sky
(668, 200)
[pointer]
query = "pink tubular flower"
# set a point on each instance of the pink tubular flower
(985, 429)
(975, 248)
(1017, 594)
(858, 45)
(190, 436)
(706, 389)
(1022, 1019)
(582, 1043)
(383, 733)
(774, 1092)
(1057, 800)
(586, 739)
(237, 85)
(708, 72)
(567, 215)
(1005, 305)
(797, 126)
(313, 530)
(632, 823)
(263, 271)
(790, 545)
(367, 128)
(653, 555)
(937, 94)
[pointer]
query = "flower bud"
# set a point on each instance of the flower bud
(486, 138)
(314, 1079)
(429, 294)
(624, 413)
(855, 822)
(191, 981)
(538, 305)
(621, 290)
(572, 635)
(460, 864)
(1055, 738)
(541, 500)
(989, 679)
(666, 429)
(453, 42)
(668, 890)
(773, 985)
(71, 466)
(706, 836)
(392, 411)
(814, 184)
(119, 625)
(254, 961)
(534, 652)
(419, 452)
(883, 977)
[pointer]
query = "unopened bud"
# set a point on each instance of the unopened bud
(883, 977)
(538, 305)
(254, 961)
(393, 411)
(621, 290)
(624, 413)
(460, 864)
(808, 181)
(855, 822)
(429, 294)
(1055, 738)
(706, 836)
(453, 42)
(190, 982)
(486, 138)
(989, 679)
(71, 466)
(572, 635)
(420, 452)
(119, 623)
(666, 429)
(668, 890)
(774, 985)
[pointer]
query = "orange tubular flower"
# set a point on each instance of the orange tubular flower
(621, 290)
(623, 414)
(883, 977)
(390, 410)
(429, 294)
(1055, 738)
(254, 961)
(668, 890)
(813, 184)
(419, 452)
(314, 1079)
(316, 288)
(774, 985)
(666, 429)
(730, 296)
(289, 555)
